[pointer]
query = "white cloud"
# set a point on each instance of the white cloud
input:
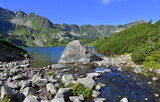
(108, 1)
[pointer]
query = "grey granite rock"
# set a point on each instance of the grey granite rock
(77, 51)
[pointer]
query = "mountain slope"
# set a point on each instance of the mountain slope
(143, 41)
(33, 30)
(10, 52)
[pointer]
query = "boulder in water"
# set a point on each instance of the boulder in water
(76, 52)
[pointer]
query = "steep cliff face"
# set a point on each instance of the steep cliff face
(34, 30)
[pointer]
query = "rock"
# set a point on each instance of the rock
(44, 101)
(156, 95)
(95, 94)
(76, 52)
(31, 98)
(27, 91)
(93, 75)
(87, 82)
(102, 85)
(155, 78)
(14, 71)
(76, 98)
(6, 92)
(98, 88)
(107, 70)
(58, 100)
(124, 99)
(14, 85)
(18, 77)
(138, 69)
(58, 66)
(24, 66)
(99, 100)
(145, 99)
(157, 71)
(19, 97)
(41, 82)
(64, 93)
(35, 78)
(38, 81)
(67, 78)
(25, 84)
(51, 88)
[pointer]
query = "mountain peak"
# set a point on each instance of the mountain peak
(20, 14)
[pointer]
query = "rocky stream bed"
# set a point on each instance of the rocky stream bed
(89, 79)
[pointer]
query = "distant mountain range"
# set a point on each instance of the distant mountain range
(33, 30)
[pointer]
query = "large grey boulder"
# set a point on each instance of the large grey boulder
(77, 51)
(6, 92)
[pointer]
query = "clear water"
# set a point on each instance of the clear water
(128, 84)
(43, 56)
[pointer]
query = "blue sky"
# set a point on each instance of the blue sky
(94, 12)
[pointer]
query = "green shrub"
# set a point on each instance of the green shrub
(61, 85)
(51, 73)
(79, 89)
(153, 60)
(5, 100)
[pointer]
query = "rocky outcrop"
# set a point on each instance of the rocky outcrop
(77, 51)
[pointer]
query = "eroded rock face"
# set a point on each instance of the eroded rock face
(77, 51)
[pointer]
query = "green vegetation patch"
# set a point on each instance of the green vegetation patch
(143, 41)
(79, 89)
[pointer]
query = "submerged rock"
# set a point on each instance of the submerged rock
(77, 51)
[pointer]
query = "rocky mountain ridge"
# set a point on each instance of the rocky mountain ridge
(33, 30)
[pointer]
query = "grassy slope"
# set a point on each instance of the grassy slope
(143, 41)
